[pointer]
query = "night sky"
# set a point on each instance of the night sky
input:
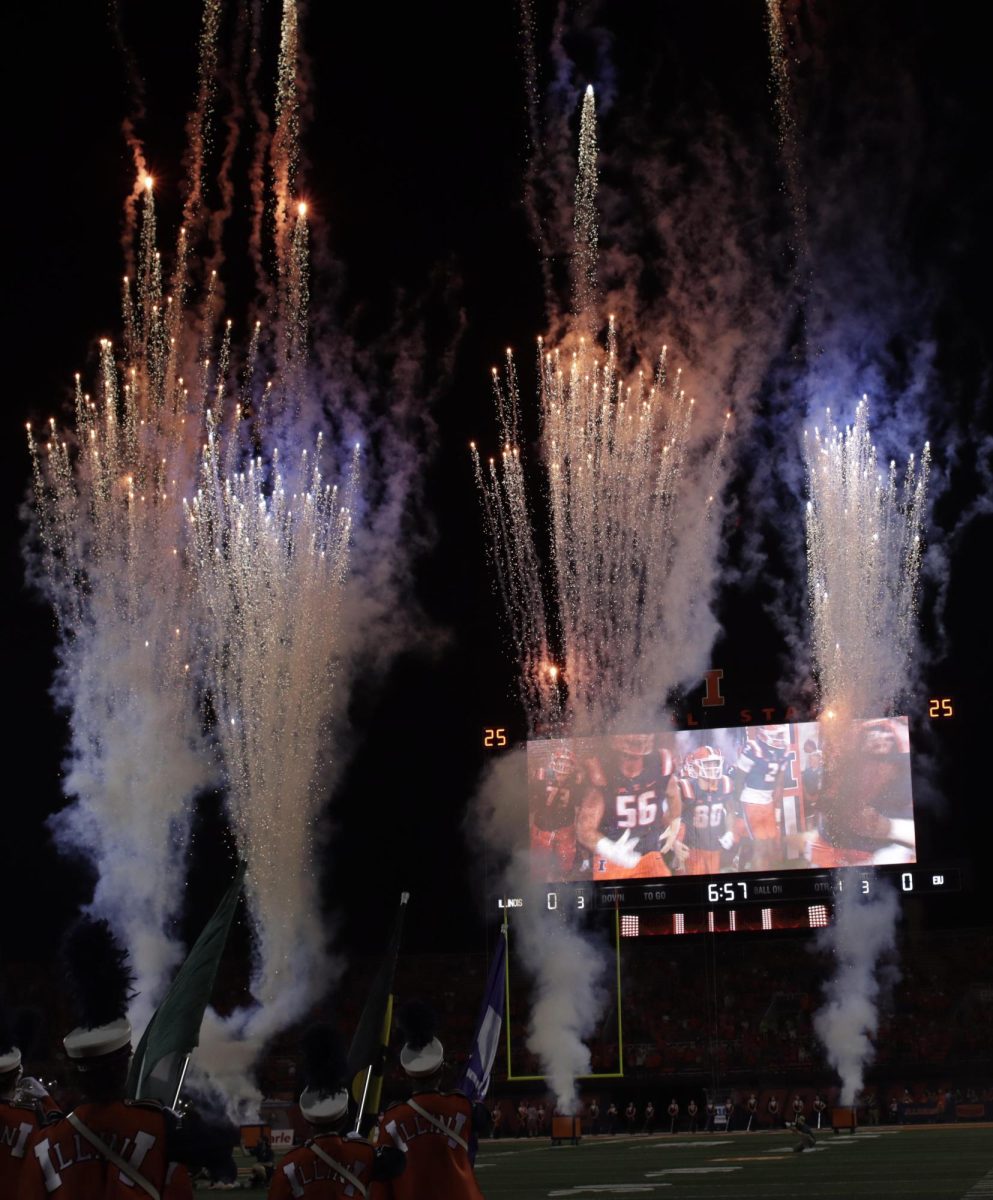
(418, 152)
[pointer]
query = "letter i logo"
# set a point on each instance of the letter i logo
(712, 697)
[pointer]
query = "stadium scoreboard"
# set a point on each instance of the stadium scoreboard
(720, 892)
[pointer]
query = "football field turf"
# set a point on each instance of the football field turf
(910, 1163)
(923, 1163)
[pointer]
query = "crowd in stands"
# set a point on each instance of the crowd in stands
(737, 1009)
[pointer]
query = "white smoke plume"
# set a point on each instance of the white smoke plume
(862, 934)
(221, 1071)
(569, 972)
(568, 967)
(864, 537)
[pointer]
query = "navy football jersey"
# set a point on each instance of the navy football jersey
(637, 804)
(705, 813)
(759, 768)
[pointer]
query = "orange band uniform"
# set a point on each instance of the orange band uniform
(437, 1166)
(62, 1165)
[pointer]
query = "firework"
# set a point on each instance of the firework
(197, 638)
(624, 549)
(863, 559)
(270, 553)
(108, 507)
(622, 617)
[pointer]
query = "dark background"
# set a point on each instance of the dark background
(417, 155)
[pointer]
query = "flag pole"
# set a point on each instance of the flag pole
(387, 1020)
(179, 1086)
(365, 1092)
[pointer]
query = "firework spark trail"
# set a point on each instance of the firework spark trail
(679, 250)
(271, 547)
(260, 147)
(198, 125)
(584, 220)
(284, 150)
(136, 91)
(109, 515)
(548, 180)
(864, 542)
(784, 103)
(538, 181)
(517, 572)
(233, 119)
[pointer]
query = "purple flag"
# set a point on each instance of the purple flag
(475, 1080)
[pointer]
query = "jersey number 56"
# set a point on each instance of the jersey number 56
(636, 810)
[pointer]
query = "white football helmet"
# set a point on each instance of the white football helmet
(775, 736)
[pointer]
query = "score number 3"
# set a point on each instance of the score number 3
(493, 738)
(940, 707)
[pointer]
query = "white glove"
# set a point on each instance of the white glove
(893, 853)
(726, 840)
(622, 852)
(33, 1088)
(669, 835)
(902, 830)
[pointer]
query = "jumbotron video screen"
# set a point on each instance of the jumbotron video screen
(649, 805)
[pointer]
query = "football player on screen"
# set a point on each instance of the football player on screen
(866, 811)
(555, 793)
(629, 816)
(763, 761)
(706, 793)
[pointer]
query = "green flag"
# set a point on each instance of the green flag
(366, 1053)
(160, 1059)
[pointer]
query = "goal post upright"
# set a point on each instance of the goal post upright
(619, 1073)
